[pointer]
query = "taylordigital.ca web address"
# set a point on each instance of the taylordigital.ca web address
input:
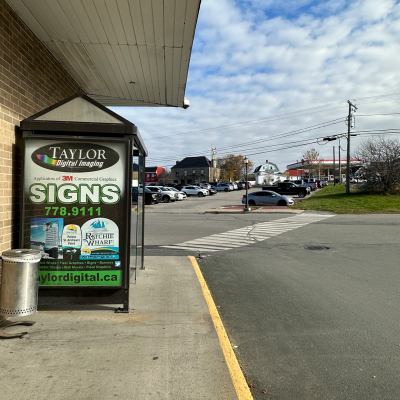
(71, 278)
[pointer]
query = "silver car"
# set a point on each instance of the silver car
(192, 190)
(267, 198)
(222, 187)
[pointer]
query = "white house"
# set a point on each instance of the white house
(268, 173)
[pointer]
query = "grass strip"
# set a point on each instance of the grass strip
(334, 199)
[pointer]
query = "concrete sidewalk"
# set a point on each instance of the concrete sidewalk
(166, 348)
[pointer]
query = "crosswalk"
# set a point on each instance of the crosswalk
(248, 235)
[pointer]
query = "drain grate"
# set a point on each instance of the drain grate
(315, 247)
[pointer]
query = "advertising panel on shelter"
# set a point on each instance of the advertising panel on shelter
(74, 202)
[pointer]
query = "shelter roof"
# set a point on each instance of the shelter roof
(120, 52)
(80, 113)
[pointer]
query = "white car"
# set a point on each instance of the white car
(192, 190)
(167, 194)
(181, 195)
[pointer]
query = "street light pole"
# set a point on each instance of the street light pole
(246, 207)
(334, 167)
(340, 165)
(351, 108)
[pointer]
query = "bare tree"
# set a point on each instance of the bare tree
(312, 161)
(164, 178)
(382, 164)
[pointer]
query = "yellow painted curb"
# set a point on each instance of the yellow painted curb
(238, 379)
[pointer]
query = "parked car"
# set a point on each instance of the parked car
(178, 195)
(235, 185)
(222, 187)
(300, 182)
(244, 184)
(149, 197)
(181, 195)
(157, 194)
(230, 184)
(192, 190)
(306, 183)
(207, 186)
(287, 188)
(204, 185)
(179, 186)
(166, 195)
(267, 198)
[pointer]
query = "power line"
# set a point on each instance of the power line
(251, 122)
(291, 114)
(240, 145)
(306, 142)
(373, 115)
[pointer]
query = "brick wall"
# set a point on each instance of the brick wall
(31, 79)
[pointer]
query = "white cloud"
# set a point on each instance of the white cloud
(255, 59)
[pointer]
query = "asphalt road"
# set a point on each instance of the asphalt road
(313, 311)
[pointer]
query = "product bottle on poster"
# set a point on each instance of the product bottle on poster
(51, 238)
(100, 240)
(71, 239)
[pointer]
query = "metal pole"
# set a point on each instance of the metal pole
(340, 165)
(334, 167)
(246, 208)
(348, 147)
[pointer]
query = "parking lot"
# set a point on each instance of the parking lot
(199, 204)
(195, 204)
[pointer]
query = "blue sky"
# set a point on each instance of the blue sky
(263, 68)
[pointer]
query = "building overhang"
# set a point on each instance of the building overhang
(120, 52)
(325, 164)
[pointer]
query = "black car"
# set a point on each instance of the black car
(179, 187)
(156, 196)
(149, 197)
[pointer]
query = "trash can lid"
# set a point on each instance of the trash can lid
(22, 255)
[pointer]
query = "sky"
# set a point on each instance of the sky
(270, 79)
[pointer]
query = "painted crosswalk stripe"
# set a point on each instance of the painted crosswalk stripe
(226, 240)
(205, 249)
(213, 245)
(248, 235)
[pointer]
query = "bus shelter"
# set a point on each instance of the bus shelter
(77, 202)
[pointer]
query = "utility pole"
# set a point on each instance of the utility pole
(340, 165)
(351, 107)
(334, 167)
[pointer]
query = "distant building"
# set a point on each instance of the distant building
(325, 168)
(268, 173)
(195, 170)
(296, 174)
(151, 174)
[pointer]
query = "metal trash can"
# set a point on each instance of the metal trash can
(19, 282)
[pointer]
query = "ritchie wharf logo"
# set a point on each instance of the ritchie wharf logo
(75, 157)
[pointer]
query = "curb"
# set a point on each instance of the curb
(239, 381)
